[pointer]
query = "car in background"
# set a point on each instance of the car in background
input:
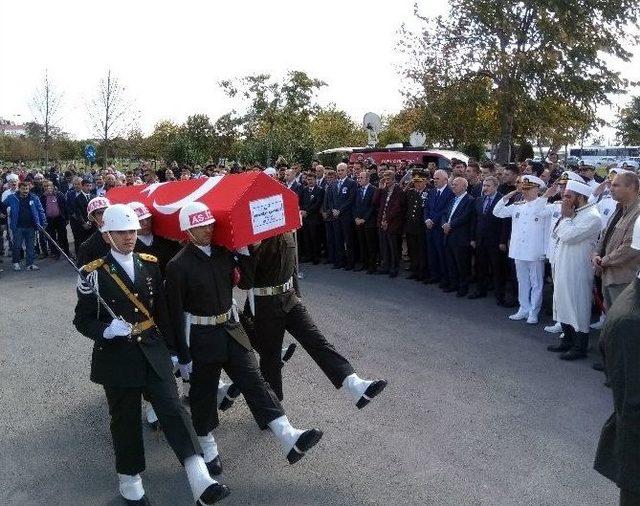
(398, 154)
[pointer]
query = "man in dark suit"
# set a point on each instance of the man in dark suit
(390, 203)
(365, 221)
(344, 197)
(310, 204)
(86, 227)
(487, 232)
(457, 229)
(414, 228)
(438, 200)
(327, 215)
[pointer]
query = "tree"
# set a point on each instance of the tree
(332, 128)
(110, 112)
(199, 132)
(628, 126)
(164, 134)
(525, 51)
(45, 105)
(277, 115)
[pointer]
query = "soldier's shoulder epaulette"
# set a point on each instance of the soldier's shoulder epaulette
(92, 266)
(148, 258)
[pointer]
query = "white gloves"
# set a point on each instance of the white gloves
(185, 371)
(117, 328)
(174, 361)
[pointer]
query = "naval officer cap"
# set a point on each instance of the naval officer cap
(581, 188)
(531, 181)
(569, 175)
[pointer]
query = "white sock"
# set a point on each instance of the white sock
(130, 487)
(198, 475)
(151, 414)
(209, 447)
(283, 351)
(355, 386)
(285, 432)
(223, 388)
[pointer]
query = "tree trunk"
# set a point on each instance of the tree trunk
(503, 153)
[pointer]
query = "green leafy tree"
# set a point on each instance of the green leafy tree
(628, 127)
(521, 52)
(332, 128)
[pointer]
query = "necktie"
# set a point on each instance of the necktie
(487, 203)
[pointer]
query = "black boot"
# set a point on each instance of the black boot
(579, 349)
(565, 344)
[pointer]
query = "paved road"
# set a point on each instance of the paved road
(477, 412)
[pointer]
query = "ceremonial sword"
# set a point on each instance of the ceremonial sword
(82, 277)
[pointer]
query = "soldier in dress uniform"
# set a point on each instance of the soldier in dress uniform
(94, 247)
(278, 308)
(205, 322)
(130, 357)
(527, 244)
(618, 456)
(164, 250)
(414, 227)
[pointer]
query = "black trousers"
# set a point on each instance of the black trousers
(57, 229)
(391, 253)
(330, 238)
(458, 260)
(368, 246)
(490, 267)
(269, 328)
(417, 249)
(241, 366)
(344, 241)
(629, 498)
(126, 422)
(311, 238)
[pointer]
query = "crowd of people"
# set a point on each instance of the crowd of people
(472, 229)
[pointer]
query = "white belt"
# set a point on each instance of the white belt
(274, 290)
(210, 320)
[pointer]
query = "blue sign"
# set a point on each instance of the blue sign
(90, 153)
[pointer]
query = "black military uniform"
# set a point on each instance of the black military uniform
(201, 286)
(163, 249)
(416, 231)
(275, 266)
(127, 367)
(618, 456)
(93, 248)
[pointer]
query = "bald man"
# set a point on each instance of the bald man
(457, 237)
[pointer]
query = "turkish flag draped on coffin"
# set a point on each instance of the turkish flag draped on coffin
(247, 207)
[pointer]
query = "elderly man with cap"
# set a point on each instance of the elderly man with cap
(95, 246)
(553, 214)
(209, 338)
(130, 357)
(527, 244)
(618, 455)
(575, 236)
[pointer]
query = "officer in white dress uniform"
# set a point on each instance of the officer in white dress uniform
(575, 235)
(526, 246)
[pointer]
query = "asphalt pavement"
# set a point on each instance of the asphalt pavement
(476, 412)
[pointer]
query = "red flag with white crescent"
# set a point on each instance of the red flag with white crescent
(247, 207)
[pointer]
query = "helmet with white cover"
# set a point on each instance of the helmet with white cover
(118, 218)
(195, 214)
(142, 211)
(97, 203)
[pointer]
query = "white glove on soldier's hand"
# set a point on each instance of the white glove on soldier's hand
(174, 361)
(117, 328)
(185, 371)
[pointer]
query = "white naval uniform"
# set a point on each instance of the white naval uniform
(527, 249)
(575, 240)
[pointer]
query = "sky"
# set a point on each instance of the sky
(171, 55)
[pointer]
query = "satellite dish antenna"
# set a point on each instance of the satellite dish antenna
(417, 139)
(372, 124)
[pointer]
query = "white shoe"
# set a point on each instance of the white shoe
(520, 315)
(532, 320)
(554, 329)
(16, 267)
(33, 267)
(598, 325)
